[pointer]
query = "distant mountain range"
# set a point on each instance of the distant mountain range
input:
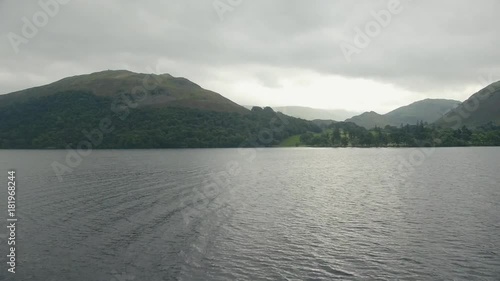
(309, 113)
(313, 114)
(481, 108)
(428, 110)
(162, 111)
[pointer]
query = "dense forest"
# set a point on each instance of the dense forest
(345, 134)
(70, 118)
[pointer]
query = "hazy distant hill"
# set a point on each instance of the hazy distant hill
(166, 90)
(428, 110)
(481, 108)
(309, 113)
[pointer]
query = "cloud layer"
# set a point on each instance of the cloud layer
(264, 52)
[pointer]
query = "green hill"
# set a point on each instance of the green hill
(481, 108)
(101, 109)
(428, 110)
(165, 90)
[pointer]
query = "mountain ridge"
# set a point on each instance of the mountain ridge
(426, 110)
(310, 113)
(163, 90)
(169, 91)
(479, 109)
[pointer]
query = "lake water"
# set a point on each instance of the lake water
(267, 214)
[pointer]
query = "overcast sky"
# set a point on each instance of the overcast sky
(264, 52)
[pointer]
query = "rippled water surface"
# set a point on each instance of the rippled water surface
(267, 214)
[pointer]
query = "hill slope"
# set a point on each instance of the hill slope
(164, 90)
(481, 108)
(99, 109)
(428, 110)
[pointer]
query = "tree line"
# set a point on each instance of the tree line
(65, 119)
(344, 134)
(61, 120)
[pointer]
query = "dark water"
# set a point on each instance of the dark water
(271, 214)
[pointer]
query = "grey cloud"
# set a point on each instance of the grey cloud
(268, 80)
(430, 45)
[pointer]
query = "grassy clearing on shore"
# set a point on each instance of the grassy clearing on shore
(291, 141)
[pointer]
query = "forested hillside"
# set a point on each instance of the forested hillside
(69, 118)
